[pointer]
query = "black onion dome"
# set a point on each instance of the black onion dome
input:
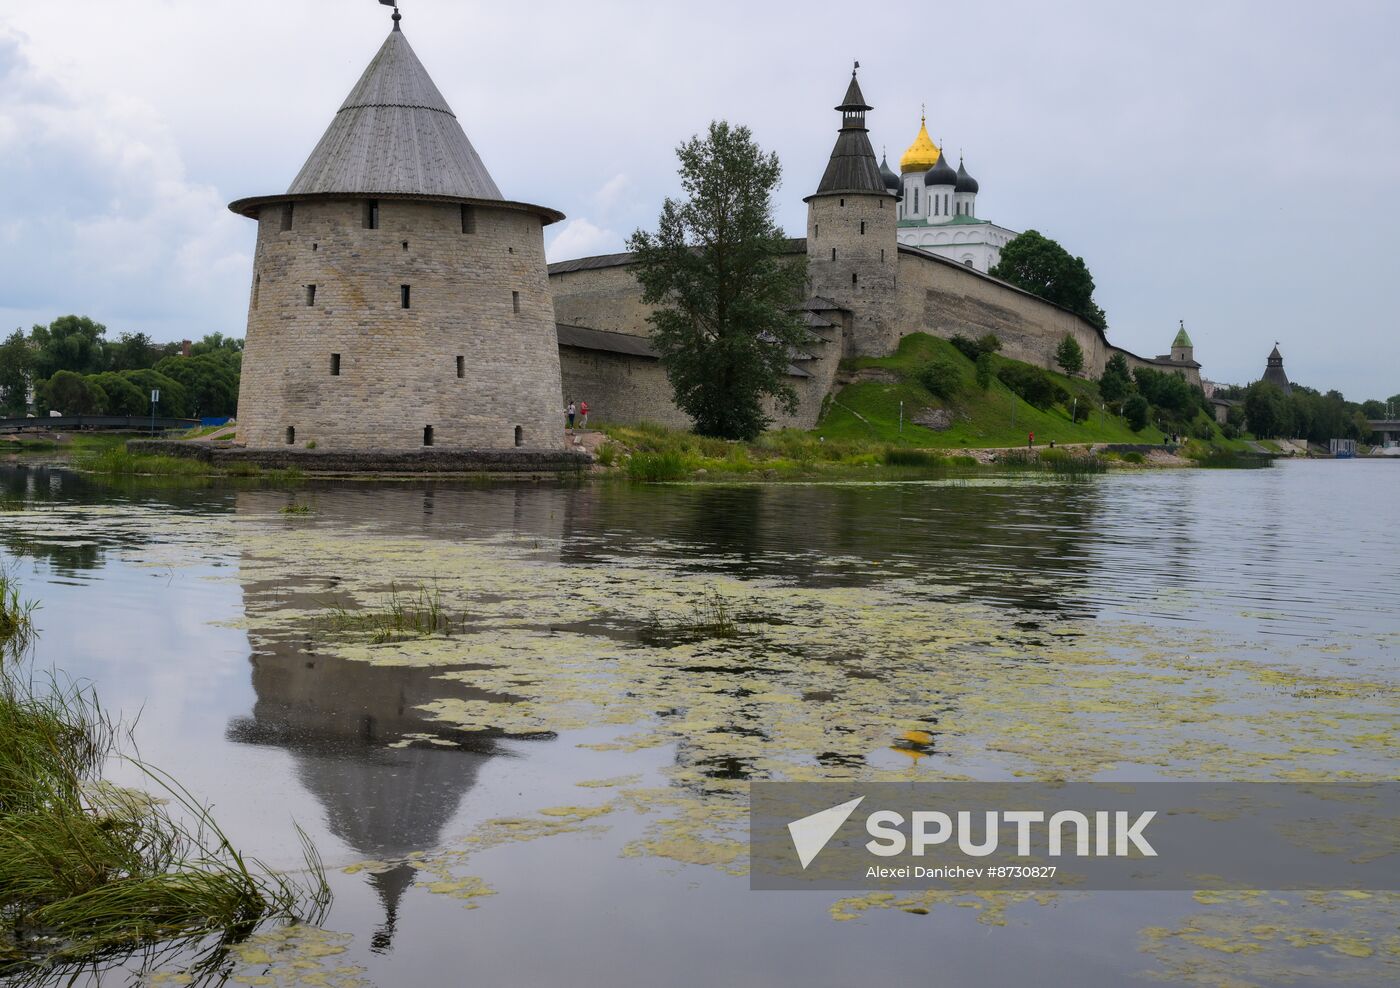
(941, 173)
(966, 183)
(887, 173)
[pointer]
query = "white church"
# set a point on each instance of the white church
(938, 207)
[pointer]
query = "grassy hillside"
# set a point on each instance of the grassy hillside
(869, 410)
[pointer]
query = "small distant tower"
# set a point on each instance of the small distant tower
(964, 193)
(852, 248)
(1274, 373)
(399, 300)
(1182, 350)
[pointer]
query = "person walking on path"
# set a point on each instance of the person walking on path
(1030, 441)
(583, 415)
(570, 412)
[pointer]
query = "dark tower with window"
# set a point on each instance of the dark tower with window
(1274, 373)
(852, 249)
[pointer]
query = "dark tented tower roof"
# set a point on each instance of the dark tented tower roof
(395, 135)
(852, 167)
(1275, 374)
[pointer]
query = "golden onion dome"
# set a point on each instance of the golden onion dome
(922, 155)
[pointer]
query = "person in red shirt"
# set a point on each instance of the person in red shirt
(583, 415)
(1030, 441)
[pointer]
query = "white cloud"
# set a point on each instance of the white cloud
(580, 238)
(102, 218)
(611, 193)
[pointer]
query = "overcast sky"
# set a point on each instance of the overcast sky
(1236, 165)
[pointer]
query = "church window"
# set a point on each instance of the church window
(371, 214)
(916, 201)
(427, 435)
(335, 365)
(945, 204)
(461, 366)
(515, 301)
(310, 294)
(404, 296)
(468, 219)
(286, 216)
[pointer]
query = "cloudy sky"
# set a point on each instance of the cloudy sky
(1236, 165)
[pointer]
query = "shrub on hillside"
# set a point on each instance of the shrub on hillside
(1135, 410)
(1202, 429)
(1069, 355)
(972, 349)
(985, 371)
(941, 378)
(1080, 410)
(1035, 386)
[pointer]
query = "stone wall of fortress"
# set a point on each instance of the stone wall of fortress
(931, 295)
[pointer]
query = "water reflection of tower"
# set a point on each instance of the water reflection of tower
(339, 718)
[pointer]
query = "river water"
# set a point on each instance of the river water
(554, 791)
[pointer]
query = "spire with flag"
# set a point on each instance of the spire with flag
(395, 5)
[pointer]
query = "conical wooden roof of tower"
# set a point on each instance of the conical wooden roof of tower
(395, 135)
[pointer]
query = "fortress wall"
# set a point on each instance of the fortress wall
(601, 298)
(620, 388)
(944, 298)
(398, 367)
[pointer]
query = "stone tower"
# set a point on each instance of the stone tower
(1182, 349)
(852, 248)
(398, 299)
(1274, 373)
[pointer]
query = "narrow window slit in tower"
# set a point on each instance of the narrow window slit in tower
(862, 228)
(519, 436)
(291, 435)
(372, 214)
(405, 245)
(315, 246)
(427, 435)
(461, 366)
(853, 277)
(310, 294)
(286, 216)
(833, 253)
(515, 301)
(335, 365)
(403, 297)
(843, 203)
(468, 219)
(882, 255)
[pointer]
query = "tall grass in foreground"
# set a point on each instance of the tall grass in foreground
(118, 461)
(90, 872)
(1060, 462)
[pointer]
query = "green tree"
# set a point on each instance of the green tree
(718, 271)
(124, 397)
(1116, 382)
(985, 371)
(71, 343)
(174, 399)
(16, 362)
(941, 378)
(132, 351)
(210, 382)
(1069, 355)
(1136, 410)
(1042, 267)
(1267, 410)
(71, 394)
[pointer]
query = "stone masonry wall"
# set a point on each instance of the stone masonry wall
(852, 259)
(606, 298)
(399, 367)
(620, 388)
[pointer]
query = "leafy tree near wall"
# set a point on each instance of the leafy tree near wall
(210, 381)
(1034, 262)
(71, 394)
(16, 363)
(1268, 411)
(1116, 382)
(1136, 411)
(1069, 355)
(717, 270)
